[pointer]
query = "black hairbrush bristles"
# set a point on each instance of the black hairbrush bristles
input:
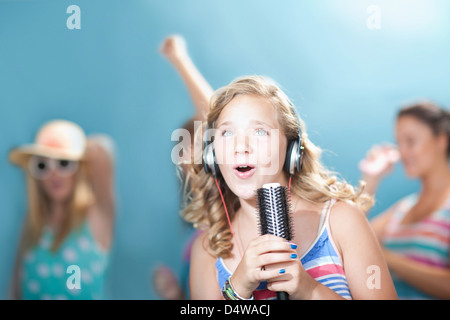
(274, 211)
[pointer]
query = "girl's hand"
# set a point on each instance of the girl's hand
(379, 161)
(268, 258)
(293, 279)
(174, 48)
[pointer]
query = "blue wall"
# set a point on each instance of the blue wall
(348, 81)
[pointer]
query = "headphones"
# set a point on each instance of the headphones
(293, 161)
(209, 155)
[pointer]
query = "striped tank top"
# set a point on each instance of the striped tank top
(321, 261)
(426, 241)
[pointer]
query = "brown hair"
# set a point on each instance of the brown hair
(435, 117)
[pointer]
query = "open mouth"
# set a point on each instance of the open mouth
(244, 171)
(244, 168)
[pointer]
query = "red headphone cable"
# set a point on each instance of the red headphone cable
(228, 217)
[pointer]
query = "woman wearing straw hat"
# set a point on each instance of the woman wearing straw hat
(65, 241)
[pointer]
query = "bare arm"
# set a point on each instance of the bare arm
(174, 49)
(203, 276)
(432, 280)
(100, 160)
(365, 266)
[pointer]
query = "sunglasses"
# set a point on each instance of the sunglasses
(41, 167)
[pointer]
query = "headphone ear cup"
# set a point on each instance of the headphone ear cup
(293, 157)
(207, 154)
(288, 163)
(209, 163)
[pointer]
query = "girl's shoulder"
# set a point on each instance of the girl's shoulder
(346, 212)
(347, 220)
(200, 247)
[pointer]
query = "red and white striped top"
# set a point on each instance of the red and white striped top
(426, 241)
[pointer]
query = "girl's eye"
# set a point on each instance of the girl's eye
(227, 133)
(261, 132)
(63, 163)
(41, 165)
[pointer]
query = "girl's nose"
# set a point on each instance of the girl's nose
(242, 143)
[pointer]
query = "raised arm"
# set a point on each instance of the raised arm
(174, 49)
(100, 158)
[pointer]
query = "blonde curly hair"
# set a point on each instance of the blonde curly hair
(202, 202)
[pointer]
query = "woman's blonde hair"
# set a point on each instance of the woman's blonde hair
(81, 199)
(203, 205)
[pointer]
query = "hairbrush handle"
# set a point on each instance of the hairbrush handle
(274, 215)
(282, 296)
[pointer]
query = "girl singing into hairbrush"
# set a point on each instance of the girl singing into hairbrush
(259, 139)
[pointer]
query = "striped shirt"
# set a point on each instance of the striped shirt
(426, 241)
(321, 261)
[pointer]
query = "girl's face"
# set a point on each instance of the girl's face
(56, 177)
(58, 188)
(250, 146)
(419, 147)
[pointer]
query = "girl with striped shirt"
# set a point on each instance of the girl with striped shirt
(334, 252)
(415, 232)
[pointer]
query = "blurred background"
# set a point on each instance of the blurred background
(347, 71)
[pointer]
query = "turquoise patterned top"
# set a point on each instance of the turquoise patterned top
(76, 271)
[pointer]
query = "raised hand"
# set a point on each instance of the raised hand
(174, 48)
(379, 161)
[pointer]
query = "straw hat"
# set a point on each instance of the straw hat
(58, 139)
